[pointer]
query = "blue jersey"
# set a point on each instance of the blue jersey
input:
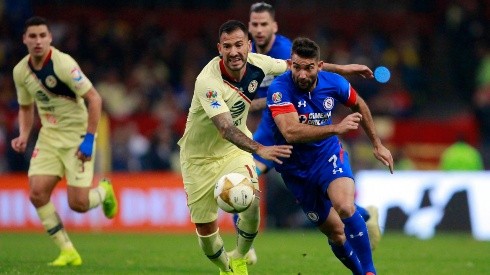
(312, 166)
(313, 108)
(281, 49)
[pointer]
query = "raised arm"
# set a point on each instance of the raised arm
(350, 69)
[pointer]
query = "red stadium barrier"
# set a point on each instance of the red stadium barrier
(148, 202)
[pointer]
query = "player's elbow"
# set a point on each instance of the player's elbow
(291, 136)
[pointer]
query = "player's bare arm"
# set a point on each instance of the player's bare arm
(295, 132)
(258, 104)
(350, 69)
(26, 120)
(94, 107)
(379, 150)
(230, 132)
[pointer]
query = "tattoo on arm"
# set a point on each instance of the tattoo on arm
(230, 132)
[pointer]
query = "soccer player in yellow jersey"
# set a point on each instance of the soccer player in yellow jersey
(217, 142)
(53, 82)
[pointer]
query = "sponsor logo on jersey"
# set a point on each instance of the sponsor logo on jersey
(42, 97)
(301, 103)
(50, 81)
(211, 94)
(252, 87)
(76, 75)
(328, 103)
(237, 109)
(277, 97)
(317, 119)
(215, 104)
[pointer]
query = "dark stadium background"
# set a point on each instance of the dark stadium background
(143, 58)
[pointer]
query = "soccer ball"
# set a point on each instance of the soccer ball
(234, 193)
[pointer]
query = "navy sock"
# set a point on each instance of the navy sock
(347, 256)
(357, 236)
(364, 213)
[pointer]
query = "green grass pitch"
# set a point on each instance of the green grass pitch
(302, 252)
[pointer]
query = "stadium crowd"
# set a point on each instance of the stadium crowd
(144, 65)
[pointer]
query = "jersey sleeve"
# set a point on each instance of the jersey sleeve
(278, 99)
(23, 96)
(71, 74)
(270, 66)
(210, 96)
(347, 95)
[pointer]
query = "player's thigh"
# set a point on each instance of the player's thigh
(78, 173)
(341, 191)
(45, 161)
(199, 179)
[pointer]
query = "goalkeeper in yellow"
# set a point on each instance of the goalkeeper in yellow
(53, 82)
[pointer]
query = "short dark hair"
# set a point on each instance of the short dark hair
(263, 7)
(231, 26)
(35, 21)
(306, 48)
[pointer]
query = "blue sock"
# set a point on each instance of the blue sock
(357, 236)
(347, 256)
(364, 213)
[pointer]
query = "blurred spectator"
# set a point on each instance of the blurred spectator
(461, 156)
(481, 98)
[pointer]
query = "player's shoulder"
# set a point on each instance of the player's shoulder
(284, 41)
(61, 58)
(210, 73)
(332, 78)
(22, 66)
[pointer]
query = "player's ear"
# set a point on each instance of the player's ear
(274, 27)
(320, 65)
(289, 62)
(219, 49)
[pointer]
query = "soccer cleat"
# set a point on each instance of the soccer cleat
(374, 232)
(67, 257)
(109, 205)
(251, 256)
(239, 266)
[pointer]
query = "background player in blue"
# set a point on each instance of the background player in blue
(318, 172)
(265, 40)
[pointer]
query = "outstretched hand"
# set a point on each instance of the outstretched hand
(275, 152)
(384, 155)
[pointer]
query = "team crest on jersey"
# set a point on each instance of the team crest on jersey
(277, 97)
(313, 216)
(211, 94)
(328, 103)
(252, 87)
(50, 81)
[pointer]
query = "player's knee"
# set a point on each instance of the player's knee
(345, 210)
(38, 198)
(337, 237)
(78, 205)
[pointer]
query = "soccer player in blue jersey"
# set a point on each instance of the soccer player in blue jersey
(265, 40)
(318, 172)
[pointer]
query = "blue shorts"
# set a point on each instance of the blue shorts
(265, 136)
(309, 186)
